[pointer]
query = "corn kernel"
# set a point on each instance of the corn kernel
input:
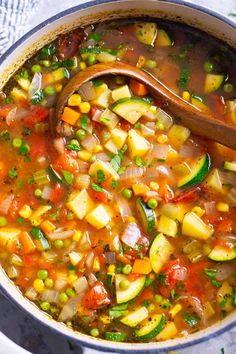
(96, 264)
(38, 285)
(84, 107)
(97, 148)
(82, 65)
(131, 219)
(58, 87)
(25, 212)
(111, 268)
(186, 96)
(199, 211)
(74, 100)
(154, 186)
(223, 207)
(72, 278)
(153, 109)
(77, 235)
(84, 155)
(177, 308)
(105, 319)
(162, 139)
(141, 61)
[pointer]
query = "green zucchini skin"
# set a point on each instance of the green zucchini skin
(155, 328)
(116, 336)
(219, 254)
(198, 173)
(146, 216)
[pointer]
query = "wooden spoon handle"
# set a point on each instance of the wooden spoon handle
(199, 122)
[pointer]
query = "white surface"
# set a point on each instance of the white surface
(47, 9)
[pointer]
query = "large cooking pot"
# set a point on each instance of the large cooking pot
(84, 14)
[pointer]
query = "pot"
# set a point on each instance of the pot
(87, 13)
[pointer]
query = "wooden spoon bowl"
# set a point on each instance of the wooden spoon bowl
(199, 122)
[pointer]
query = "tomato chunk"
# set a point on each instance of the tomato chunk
(96, 297)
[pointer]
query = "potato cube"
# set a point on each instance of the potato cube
(98, 217)
(80, 203)
(138, 146)
(105, 167)
(120, 92)
(118, 136)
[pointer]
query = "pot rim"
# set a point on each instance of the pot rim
(98, 343)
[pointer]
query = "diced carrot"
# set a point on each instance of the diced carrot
(70, 116)
(47, 226)
(138, 88)
(225, 226)
(101, 196)
(27, 243)
(142, 266)
(4, 110)
(48, 79)
(140, 189)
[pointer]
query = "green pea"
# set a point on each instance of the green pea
(63, 298)
(48, 283)
(91, 60)
(38, 193)
(208, 66)
(49, 90)
(3, 221)
(94, 332)
(59, 244)
(74, 142)
(70, 292)
(152, 203)
(127, 269)
(127, 193)
(151, 308)
(70, 215)
(24, 149)
(228, 87)
(17, 142)
(151, 63)
(158, 298)
(42, 274)
(36, 68)
(80, 134)
(45, 306)
(124, 284)
(46, 63)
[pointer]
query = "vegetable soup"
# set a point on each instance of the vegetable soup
(122, 225)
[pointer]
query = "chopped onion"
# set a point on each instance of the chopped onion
(31, 293)
(163, 170)
(80, 285)
(187, 151)
(159, 151)
(90, 141)
(131, 234)
(51, 296)
(60, 282)
(11, 116)
(132, 173)
(228, 177)
(227, 237)
(232, 196)
(82, 181)
(123, 206)
(87, 91)
(103, 157)
(70, 308)
(6, 203)
(110, 257)
(180, 273)
(89, 259)
(46, 193)
(210, 207)
(59, 145)
(60, 235)
(96, 115)
(164, 118)
(147, 131)
(224, 271)
(50, 255)
(151, 125)
(85, 243)
(35, 85)
(83, 166)
(92, 279)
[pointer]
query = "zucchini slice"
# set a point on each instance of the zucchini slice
(150, 328)
(198, 173)
(222, 254)
(163, 39)
(146, 216)
(134, 289)
(146, 32)
(130, 108)
(213, 82)
(135, 317)
(159, 252)
(115, 336)
(230, 166)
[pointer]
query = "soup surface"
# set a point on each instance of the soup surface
(123, 224)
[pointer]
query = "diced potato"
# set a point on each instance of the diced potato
(178, 134)
(103, 95)
(105, 167)
(138, 146)
(195, 227)
(118, 136)
(24, 83)
(120, 92)
(98, 217)
(18, 94)
(167, 226)
(8, 234)
(109, 118)
(140, 189)
(213, 181)
(110, 146)
(208, 310)
(225, 295)
(168, 332)
(36, 216)
(80, 203)
(174, 211)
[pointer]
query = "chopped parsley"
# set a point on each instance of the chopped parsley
(139, 161)
(114, 183)
(101, 176)
(68, 176)
(5, 135)
(97, 188)
(184, 77)
(117, 159)
(211, 274)
(162, 277)
(12, 173)
(20, 220)
(84, 122)
(37, 97)
(190, 319)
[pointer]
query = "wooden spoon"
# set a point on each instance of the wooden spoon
(199, 122)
